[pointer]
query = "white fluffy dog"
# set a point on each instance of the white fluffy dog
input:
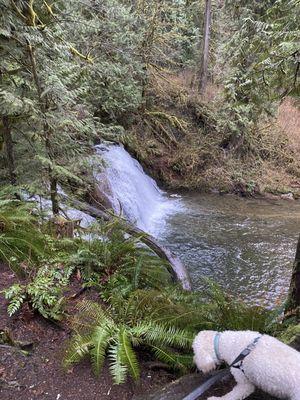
(271, 366)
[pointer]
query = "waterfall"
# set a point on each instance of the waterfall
(132, 192)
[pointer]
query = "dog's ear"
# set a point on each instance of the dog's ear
(204, 362)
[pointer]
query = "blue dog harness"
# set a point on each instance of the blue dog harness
(238, 362)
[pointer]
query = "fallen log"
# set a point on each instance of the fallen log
(176, 269)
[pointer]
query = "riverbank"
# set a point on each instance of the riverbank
(133, 297)
(36, 372)
(180, 141)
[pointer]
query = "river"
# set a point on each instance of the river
(245, 245)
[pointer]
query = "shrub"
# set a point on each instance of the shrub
(21, 240)
(44, 293)
(113, 333)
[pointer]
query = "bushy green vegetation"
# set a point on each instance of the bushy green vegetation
(116, 331)
(21, 240)
(43, 292)
(138, 308)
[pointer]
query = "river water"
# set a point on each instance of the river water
(245, 245)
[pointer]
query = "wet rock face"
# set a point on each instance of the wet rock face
(180, 388)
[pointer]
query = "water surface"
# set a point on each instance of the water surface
(246, 245)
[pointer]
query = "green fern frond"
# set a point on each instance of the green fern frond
(100, 339)
(175, 360)
(21, 239)
(128, 356)
(117, 368)
(15, 304)
(169, 336)
(90, 314)
(78, 347)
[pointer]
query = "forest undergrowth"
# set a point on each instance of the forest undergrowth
(180, 139)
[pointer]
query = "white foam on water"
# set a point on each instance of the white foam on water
(133, 193)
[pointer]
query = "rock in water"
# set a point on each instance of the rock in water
(287, 196)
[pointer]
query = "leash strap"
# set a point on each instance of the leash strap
(237, 363)
(207, 384)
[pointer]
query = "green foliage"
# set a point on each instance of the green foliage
(164, 321)
(227, 313)
(21, 240)
(44, 293)
(291, 334)
(261, 49)
(213, 310)
(61, 88)
(113, 262)
(16, 296)
(99, 332)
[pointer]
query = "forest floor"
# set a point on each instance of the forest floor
(37, 373)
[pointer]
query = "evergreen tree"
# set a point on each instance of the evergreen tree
(261, 60)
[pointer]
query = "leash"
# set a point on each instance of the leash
(237, 363)
(207, 384)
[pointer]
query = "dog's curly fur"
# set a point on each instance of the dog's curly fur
(272, 366)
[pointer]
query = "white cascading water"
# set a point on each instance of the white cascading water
(132, 193)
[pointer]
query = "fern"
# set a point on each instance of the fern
(175, 360)
(117, 337)
(43, 293)
(78, 348)
(117, 368)
(100, 337)
(114, 263)
(16, 296)
(169, 336)
(20, 238)
(128, 356)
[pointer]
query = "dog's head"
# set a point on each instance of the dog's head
(204, 353)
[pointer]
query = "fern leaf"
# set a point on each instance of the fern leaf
(89, 314)
(171, 358)
(78, 348)
(170, 336)
(100, 340)
(128, 355)
(117, 368)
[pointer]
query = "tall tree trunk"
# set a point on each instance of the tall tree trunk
(47, 132)
(293, 302)
(9, 150)
(54, 194)
(205, 48)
